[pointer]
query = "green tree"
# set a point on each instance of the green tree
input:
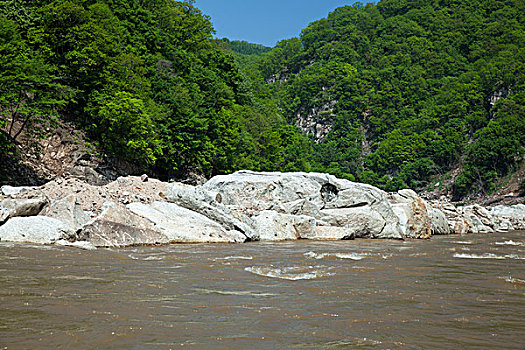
(29, 93)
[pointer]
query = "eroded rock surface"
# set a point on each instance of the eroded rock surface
(69, 211)
(274, 226)
(438, 222)
(119, 227)
(181, 225)
(35, 229)
(412, 213)
(244, 206)
(362, 210)
(23, 207)
(509, 214)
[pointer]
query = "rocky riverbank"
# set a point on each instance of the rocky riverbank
(241, 207)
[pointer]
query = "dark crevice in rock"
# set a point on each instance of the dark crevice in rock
(356, 205)
(329, 192)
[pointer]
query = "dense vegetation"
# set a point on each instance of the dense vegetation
(413, 89)
(408, 90)
(143, 79)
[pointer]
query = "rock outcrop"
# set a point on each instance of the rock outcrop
(438, 222)
(361, 210)
(412, 213)
(118, 227)
(509, 215)
(210, 205)
(35, 229)
(69, 211)
(274, 226)
(181, 225)
(23, 207)
(244, 206)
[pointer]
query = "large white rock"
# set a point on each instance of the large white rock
(438, 221)
(475, 225)
(468, 219)
(11, 190)
(274, 226)
(482, 214)
(515, 214)
(331, 233)
(478, 219)
(117, 226)
(412, 213)
(502, 225)
(459, 225)
(35, 229)
(358, 222)
(360, 208)
(265, 191)
(23, 206)
(69, 211)
(181, 225)
(210, 205)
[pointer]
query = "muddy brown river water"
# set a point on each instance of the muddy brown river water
(454, 292)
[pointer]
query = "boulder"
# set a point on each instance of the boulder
(438, 222)
(181, 225)
(481, 213)
(478, 218)
(310, 194)
(23, 207)
(515, 214)
(502, 225)
(35, 229)
(459, 225)
(469, 219)
(264, 191)
(475, 225)
(69, 211)
(301, 207)
(357, 222)
(412, 213)
(117, 226)
(210, 205)
(274, 226)
(12, 191)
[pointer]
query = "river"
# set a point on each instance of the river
(461, 292)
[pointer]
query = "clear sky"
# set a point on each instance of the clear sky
(265, 21)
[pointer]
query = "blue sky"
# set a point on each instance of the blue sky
(265, 21)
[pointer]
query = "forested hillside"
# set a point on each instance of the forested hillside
(397, 93)
(142, 79)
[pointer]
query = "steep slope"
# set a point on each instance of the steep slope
(399, 93)
(142, 80)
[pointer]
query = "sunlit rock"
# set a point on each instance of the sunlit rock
(35, 229)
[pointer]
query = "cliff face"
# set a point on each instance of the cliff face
(316, 122)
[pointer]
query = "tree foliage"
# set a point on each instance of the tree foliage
(407, 89)
(417, 87)
(144, 79)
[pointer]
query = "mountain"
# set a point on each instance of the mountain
(424, 94)
(408, 93)
(143, 81)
